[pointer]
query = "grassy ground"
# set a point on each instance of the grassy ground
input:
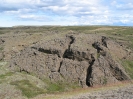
(28, 89)
(81, 91)
(116, 32)
(26, 85)
(128, 65)
(60, 87)
(30, 86)
(120, 34)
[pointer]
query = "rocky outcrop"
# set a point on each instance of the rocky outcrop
(84, 58)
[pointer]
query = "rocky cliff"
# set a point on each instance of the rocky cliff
(87, 59)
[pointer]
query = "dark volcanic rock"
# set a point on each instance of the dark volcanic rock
(85, 60)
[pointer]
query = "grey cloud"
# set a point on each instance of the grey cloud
(7, 8)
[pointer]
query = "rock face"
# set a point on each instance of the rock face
(84, 58)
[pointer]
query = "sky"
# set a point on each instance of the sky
(66, 12)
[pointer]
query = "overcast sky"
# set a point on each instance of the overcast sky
(66, 12)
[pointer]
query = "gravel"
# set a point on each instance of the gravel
(119, 93)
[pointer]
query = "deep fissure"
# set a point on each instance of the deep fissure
(68, 52)
(89, 72)
(60, 66)
(104, 41)
(96, 45)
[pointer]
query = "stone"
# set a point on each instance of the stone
(71, 59)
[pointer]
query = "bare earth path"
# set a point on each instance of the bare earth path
(124, 91)
(119, 93)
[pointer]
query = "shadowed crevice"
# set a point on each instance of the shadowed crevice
(89, 72)
(49, 51)
(44, 51)
(60, 66)
(104, 41)
(68, 52)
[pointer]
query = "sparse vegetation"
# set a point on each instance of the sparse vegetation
(128, 65)
(59, 86)
(5, 75)
(1, 48)
(98, 55)
(55, 87)
(104, 81)
(28, 89)
(31, 90)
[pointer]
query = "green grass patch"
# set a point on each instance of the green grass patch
(5, 75)
(1, 48)
(59, 86)
(28, 89)
(128, 65)
(55, 87)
